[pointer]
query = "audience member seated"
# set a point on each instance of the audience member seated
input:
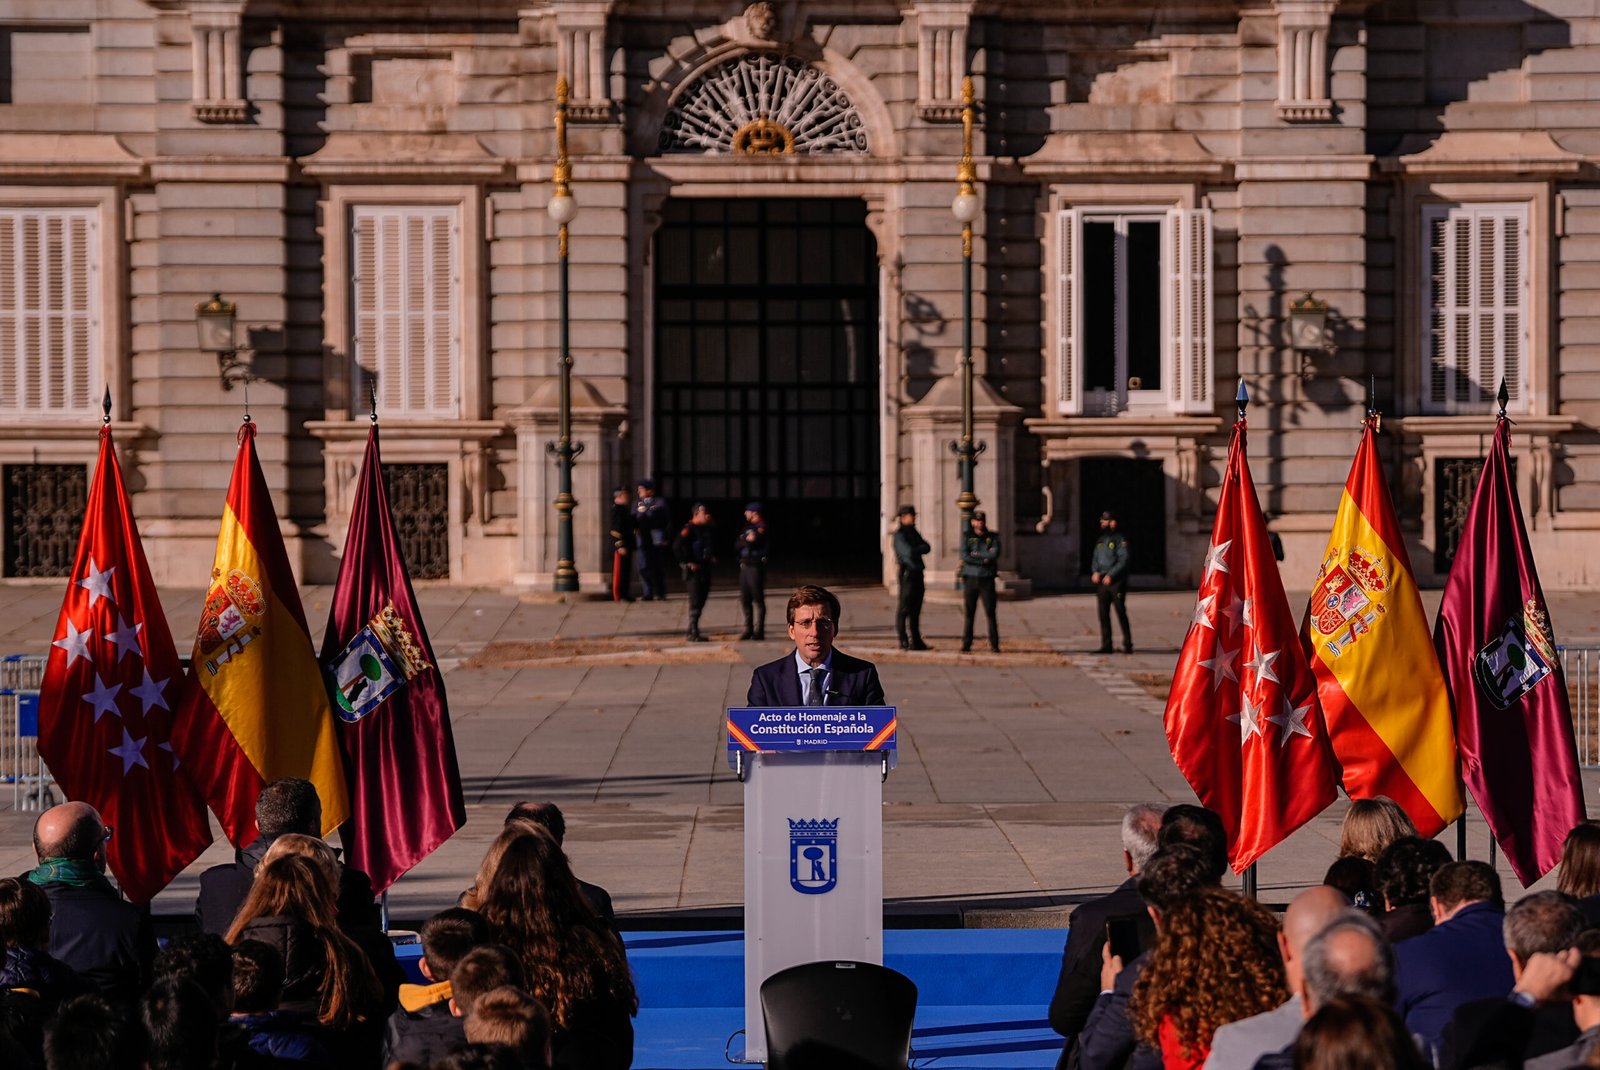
(1237, 1045)
(1107, 1040)
(1349, 958)
(1356, 879)
(291, 908)
(262, 1025)
(514, 828)
(1355, 1033)
(88, 1033)
(371, 939)
(1584, 987)
(1579, 873)
(480, 1057)
(1198, 827)
(32, 983)
(1371, 825)
(1496, 1031)
(1215, 961)
(1403, 872)
(1462, 958)
(104, 938)
(1079, 982)
(423, 1029)
(552, 820)
(511, 1017)
(483, 969)
(180, 1025)
(574, 962)
(285, 807)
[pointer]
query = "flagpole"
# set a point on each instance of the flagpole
(1250, 879)
(1461, 837)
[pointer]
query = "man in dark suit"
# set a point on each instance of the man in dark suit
(1519, 1028)
(1462, 958)
(1079, 983)
(287, 805)
(815, 674)
(101, 935)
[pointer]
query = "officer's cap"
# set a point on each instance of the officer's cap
(977, 514)
(647, 483)
(752, 507)
(1108, 515)
(907, 510)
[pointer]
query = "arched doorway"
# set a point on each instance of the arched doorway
(766, 375)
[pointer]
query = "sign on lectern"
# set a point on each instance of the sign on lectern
(813, 839)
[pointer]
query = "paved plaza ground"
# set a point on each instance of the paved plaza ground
(1014, 768)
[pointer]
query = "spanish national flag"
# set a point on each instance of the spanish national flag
(254, 706)
(1378, 677)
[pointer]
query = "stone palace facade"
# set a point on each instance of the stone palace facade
(766, 276)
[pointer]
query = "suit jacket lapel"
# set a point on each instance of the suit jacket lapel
(789, 683)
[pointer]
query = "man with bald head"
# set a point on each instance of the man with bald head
(1349, 957)
(102, 936)
(1238, 1045)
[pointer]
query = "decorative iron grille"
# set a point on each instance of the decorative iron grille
(764, 104)
(1455, 479)
(419, 497)
(44, 507)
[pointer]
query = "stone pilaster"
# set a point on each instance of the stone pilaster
(933, 423)
(596, 426)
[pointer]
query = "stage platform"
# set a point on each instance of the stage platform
(982, 996)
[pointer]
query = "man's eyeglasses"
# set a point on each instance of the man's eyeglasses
(806, 624)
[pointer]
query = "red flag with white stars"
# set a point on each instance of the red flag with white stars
(105, 706)
(1242, 717)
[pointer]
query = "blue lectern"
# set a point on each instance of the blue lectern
(813, 839)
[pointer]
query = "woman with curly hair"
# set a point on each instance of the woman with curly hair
(1215, 961)
(1403, 873)
(1370, 825)
(574, 962)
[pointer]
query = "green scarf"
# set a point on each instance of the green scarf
(72, 872)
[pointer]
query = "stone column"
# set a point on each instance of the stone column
(932, 424)
(596, 427)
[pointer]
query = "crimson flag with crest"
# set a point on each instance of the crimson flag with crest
(1242, 717)
(1503, 670)
(106, 703)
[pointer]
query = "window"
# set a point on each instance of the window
(406, 297)
(1134, 311)
(1475, 325)
(49, 312)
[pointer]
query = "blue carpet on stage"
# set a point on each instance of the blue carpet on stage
(982, 996)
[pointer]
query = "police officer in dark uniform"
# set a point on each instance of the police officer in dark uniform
(753, 573)
(696, 556)
(652, 526)
(980, 562)
(621, 544)
(909, 546)
(1109, 574)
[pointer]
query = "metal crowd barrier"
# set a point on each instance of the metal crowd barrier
(1581, 665)
(32, 786)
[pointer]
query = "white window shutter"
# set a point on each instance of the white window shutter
(1188, 310)
(49, 312)
(405, 295)
(1069, 312)
(1475, 321)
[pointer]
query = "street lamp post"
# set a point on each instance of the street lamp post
(965, 208)
(563, 209)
